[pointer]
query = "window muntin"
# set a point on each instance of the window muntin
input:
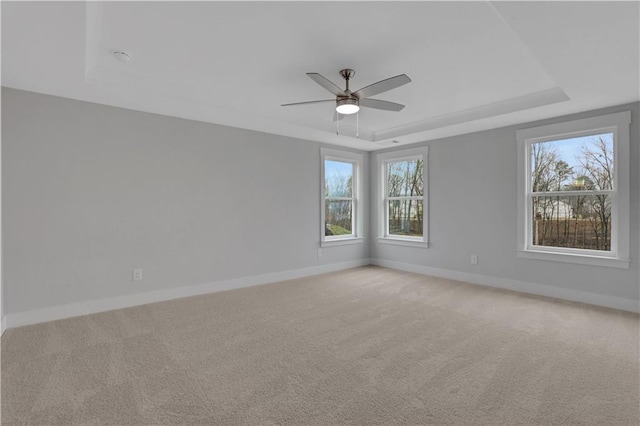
(590, 184)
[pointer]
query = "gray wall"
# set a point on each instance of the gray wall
(472, 201)
(90, 192)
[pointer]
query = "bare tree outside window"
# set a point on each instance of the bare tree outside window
(571, 185)
(405, 193)
(338, 192)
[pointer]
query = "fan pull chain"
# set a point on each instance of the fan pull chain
(357, 125)
(337, 124)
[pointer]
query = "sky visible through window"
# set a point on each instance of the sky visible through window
(570, 150)
(333, 169)
(338, 178)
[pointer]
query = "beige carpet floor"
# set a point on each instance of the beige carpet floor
(364, 346)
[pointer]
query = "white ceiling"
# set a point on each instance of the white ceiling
(474, 65)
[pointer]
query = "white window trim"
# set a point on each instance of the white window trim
(618, 124)
(400, 155)
(358, 180)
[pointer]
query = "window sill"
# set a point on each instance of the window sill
(609, 262)
(342, 242)
(403, 242)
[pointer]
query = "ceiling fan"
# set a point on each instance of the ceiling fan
(348, 102)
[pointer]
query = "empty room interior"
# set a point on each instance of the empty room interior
(320, 213)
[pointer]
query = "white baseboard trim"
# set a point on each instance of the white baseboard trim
(100, 305)
(521, 286)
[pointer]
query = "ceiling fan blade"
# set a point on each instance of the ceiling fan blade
(326, 83)
(337, 116)
(377, 104)
(382, 86)
(309, 102)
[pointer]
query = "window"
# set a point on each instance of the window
(403, 204)
(574, 191)
(341, 215)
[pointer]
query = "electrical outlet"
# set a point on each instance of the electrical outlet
(137, 274)
(319, 252)
(474, 259)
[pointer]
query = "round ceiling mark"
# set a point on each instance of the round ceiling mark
(121, 56)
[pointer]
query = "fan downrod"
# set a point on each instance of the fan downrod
(347, 74)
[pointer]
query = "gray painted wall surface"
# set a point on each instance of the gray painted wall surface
(91, 192)
(472, 202)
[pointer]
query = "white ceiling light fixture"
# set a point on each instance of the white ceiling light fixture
(347, 106)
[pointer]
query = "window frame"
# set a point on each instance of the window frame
(357, 192)
(618, 125)
(383, 200)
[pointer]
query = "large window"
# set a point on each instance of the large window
(403, 202)
(341, 197)
(574, 191)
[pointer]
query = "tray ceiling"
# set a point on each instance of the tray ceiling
(473, 65)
